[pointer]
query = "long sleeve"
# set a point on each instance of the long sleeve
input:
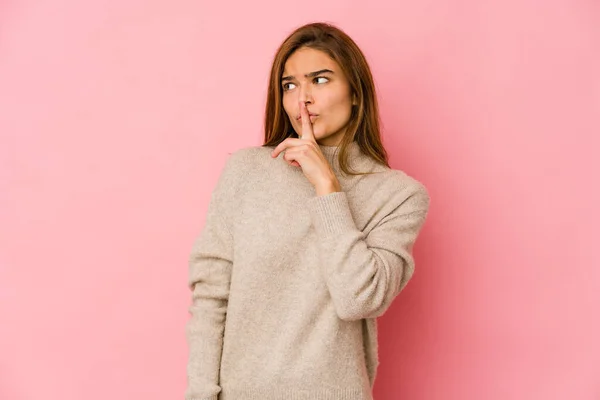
(210, 266)
(365, 272)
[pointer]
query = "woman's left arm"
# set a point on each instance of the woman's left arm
(364, 273)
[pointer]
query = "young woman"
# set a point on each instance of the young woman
(308, 238)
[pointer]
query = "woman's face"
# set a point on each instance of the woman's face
(311, 76)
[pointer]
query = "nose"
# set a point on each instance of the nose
(305, 95)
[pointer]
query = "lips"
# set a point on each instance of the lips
(299, 117)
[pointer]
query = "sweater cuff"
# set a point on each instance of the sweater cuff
(331, 214)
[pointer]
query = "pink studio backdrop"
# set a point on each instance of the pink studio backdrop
(116, 118)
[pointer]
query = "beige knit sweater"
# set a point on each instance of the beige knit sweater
(287, 285)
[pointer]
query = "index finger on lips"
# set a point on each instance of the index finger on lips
(307, 130)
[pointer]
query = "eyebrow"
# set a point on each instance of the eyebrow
(309, 75)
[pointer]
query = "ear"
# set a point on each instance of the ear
(354, 101)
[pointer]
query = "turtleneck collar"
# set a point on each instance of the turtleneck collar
(355, 156)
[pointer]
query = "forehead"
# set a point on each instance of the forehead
(306, 60)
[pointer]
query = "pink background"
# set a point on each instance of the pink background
(116, 118)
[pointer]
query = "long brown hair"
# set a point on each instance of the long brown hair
(363, 127)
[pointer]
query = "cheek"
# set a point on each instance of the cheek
(340, 106)
(337, 100)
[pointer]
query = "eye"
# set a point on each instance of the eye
(286, 88)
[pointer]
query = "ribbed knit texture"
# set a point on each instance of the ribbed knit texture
(287, 285)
